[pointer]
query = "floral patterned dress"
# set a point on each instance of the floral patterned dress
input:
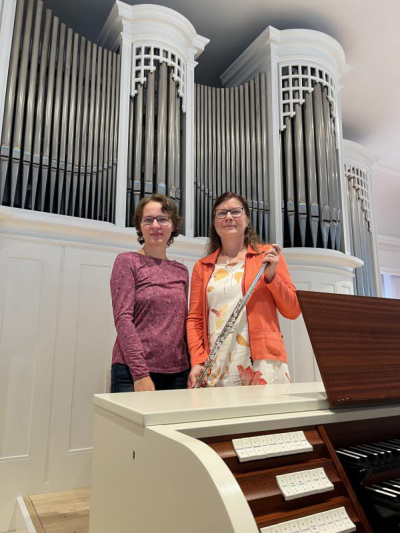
(233, 364)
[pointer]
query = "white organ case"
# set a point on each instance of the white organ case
(165, 461)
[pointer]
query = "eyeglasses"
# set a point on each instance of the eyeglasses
(236, 212)
(162, 220)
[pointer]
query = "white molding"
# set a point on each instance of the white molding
(321, 258)
(390, 271)
(24, 522)
(356, 154)
(24, 224)
(389, 244)
(152, 25)
(289, 46)
(385, 169)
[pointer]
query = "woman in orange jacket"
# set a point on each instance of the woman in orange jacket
(254, 353)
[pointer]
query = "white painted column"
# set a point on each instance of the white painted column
(7, 15)
(123, 131)
(274, 165)
(189, 206)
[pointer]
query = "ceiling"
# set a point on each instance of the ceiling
(368, 32)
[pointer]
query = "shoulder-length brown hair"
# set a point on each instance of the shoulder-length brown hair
(250, 236)
(167, 207)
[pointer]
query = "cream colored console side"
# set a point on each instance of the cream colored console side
(157, 479)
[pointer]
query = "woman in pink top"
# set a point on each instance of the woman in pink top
(149, 297)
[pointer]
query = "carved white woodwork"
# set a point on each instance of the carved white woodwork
(146, 33)
(317, 57)
(358, 165)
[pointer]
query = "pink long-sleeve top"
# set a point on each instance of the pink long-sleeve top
(149, 299)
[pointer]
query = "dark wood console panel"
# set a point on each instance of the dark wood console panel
(257, 479)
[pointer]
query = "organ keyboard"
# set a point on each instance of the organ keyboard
(276, 445)
(167, 459)
(225, 459)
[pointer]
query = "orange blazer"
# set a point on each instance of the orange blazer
(265, 338)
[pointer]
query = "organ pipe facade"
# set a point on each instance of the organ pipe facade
(357, 164)
(59, 135)
(90, 129)
(231, 150)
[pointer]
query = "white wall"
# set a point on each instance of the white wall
(391, 286)
(56, 337)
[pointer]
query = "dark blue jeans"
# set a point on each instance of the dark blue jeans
(121, 379)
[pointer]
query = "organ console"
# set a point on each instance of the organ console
(300, 457)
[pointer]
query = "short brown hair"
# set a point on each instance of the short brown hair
(251, 238)
(167, 207)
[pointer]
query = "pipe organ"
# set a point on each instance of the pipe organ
(181, 456)
(272, 133)
(231, 150)
(156, 121)
(361, 236)
(310, 177)
(295, 458)
(59, 137)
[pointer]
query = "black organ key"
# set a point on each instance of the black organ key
(371, 448)
(371, 456)
(381, 486)
(392, 485)
(355, 452)
(382, 493)
(349, 456)
(393, 447)
(381, 449)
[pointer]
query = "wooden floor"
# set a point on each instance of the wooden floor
(61, 512)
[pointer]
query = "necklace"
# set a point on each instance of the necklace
(228, 258)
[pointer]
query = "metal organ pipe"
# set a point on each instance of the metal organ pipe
(58, 99)
(60, 139)
(233, 155)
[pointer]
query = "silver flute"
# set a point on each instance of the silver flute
(226, 330)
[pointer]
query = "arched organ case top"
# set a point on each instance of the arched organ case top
(156, 120)
(59, 135)
(145, 59)
(311, 194)
(158, 48)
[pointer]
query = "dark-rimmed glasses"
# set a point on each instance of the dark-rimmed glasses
(235, 212)
(163, 220)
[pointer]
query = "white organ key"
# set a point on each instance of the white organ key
(333, 521)
(294, 526)
(273, 445)
(303, 483)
